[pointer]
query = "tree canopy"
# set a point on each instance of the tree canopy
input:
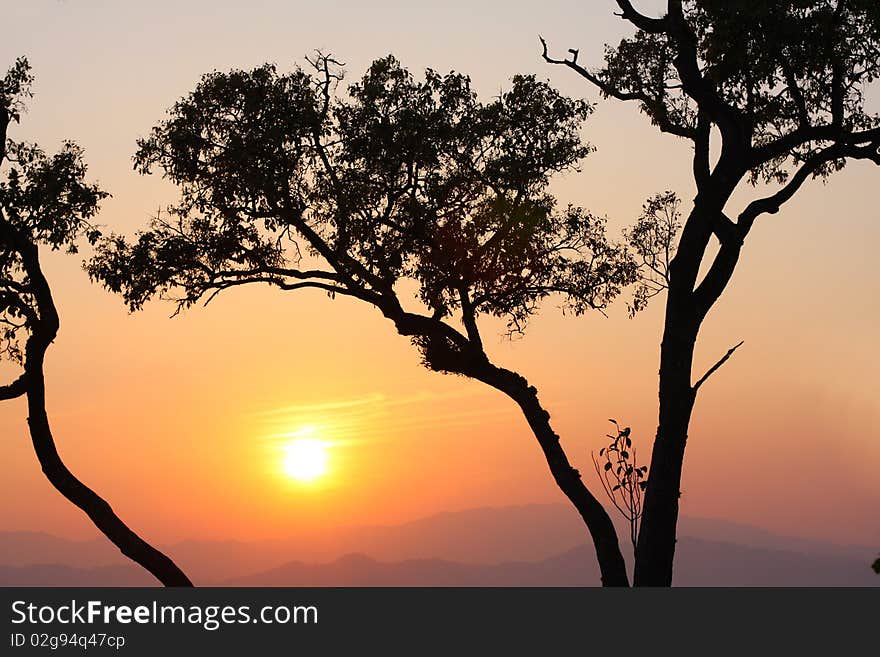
(399, 179)
(784, 81)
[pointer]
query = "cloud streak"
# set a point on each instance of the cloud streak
(370, 417)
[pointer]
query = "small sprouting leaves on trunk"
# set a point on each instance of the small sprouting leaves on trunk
(622, 478)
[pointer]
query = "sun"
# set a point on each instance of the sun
(305, 457)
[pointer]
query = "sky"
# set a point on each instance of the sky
(182, 423)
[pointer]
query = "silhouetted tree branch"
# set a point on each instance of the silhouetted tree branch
(45, 201)
(717, 365)
(402, 181)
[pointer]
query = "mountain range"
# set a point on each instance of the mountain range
(533, 545)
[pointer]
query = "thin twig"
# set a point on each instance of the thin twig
(715, 367)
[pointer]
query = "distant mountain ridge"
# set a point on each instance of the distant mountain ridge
(699, 563)
(60, 575)
(528, 545)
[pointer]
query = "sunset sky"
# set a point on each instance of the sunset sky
(182, 423)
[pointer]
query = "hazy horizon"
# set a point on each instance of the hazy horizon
(559, 507)
(533, 545)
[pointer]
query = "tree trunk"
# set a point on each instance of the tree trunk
(447, 351)
(97, 509)
(611, 563)
(656, 544)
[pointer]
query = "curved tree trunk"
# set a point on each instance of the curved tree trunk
(611, 562)
(43, 333)
(97, 509)
(447, 351)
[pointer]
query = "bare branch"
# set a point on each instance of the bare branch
(219, 286)
(644, 23)
(804, 135)
(298, 274)
(771, 204)
(716, 366)
(15, 389)
(658, 109)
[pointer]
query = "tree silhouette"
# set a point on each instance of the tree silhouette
(46, 201)
(400, 184)
(768, 93)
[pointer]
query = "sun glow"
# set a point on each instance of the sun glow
(305, 456)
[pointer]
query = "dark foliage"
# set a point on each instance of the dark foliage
(400, 180)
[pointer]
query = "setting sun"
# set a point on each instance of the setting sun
(305, 457)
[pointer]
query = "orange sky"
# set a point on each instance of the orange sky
(176, 421)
